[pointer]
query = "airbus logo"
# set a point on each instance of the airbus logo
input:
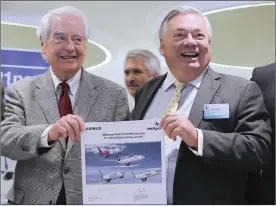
(93, 128)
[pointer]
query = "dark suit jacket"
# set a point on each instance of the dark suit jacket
(265, 78)
(232, 147)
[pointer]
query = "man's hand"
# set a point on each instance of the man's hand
(67, 126)
(176, 125)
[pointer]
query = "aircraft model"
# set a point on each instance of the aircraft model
(112, 176)
(108, 152)
(144, 175)
(129, 159)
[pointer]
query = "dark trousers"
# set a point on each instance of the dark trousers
(61, 198)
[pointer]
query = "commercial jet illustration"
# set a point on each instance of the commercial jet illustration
(106, 153)
(144, 175)
(109, 177)
(127, 160)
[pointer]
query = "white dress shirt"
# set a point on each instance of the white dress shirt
(73, 85)
(156, 109)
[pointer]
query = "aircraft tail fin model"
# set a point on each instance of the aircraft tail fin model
(100, 151)
(103, 153)
(101, 173)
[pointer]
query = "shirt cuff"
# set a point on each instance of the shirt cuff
(199, 151)
(43, 140)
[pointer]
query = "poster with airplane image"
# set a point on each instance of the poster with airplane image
(123, 163)
(123, 158)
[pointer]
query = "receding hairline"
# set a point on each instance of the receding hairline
(186, 14)
(183, 29)
(135, 57)
(64, 15)
(187, 10)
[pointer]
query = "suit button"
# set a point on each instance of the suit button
(66, 170)
(51, 202)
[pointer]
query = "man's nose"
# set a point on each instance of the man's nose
(130, 77)
(70, 46)
(189, 41)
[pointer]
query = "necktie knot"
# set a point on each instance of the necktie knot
(179, 85)
(64, 86)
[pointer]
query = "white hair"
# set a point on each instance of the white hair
(45, 23)
(151, 61)
(182, 10)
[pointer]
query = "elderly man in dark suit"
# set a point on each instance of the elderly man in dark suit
(45, 114)
(265, 77)
(217, 127)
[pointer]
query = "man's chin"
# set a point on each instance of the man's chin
(132, 90)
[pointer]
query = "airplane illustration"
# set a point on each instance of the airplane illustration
(109, 177)
(8, 175)
(108, 152)
(127, 160)
(144, 175)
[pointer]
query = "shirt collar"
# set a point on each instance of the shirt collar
(73, 82)
(170, 79)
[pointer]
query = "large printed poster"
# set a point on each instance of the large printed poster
(15, 65)
(123, 163)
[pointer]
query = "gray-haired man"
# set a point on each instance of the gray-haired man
(217, 127)
(45, 114)
(140, 67)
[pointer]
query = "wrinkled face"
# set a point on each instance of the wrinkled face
(186, 46)
(136, 74)
(65, 46)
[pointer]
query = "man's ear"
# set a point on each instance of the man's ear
(42, 44)
(161, 49)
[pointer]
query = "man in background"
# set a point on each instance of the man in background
(265, 77)
(45, 114)
(140, 67)
(217, 127)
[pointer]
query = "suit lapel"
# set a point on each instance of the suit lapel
(143, 105)
(86, 96)
(47, 99)
(205, 94)
(207, 90)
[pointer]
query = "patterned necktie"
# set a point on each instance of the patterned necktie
(172, 107)
(64, 102)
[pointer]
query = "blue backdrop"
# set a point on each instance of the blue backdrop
(15, 65)
(19, 63)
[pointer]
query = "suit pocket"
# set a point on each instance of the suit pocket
(219, 125)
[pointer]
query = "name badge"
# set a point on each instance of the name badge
(216, 111)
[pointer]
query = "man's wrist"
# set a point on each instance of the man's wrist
(195, 146)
